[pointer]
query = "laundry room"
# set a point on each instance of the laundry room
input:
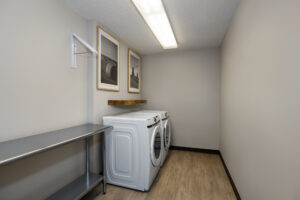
(149, 100)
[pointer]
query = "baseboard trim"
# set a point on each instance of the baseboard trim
(236, 192)
(211, 151)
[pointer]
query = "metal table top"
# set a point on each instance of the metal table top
(22, 147)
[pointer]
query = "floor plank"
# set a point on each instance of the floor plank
(185, 175)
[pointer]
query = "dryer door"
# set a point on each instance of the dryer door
(156, 146)
(167, 134)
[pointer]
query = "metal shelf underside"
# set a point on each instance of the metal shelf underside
(77, 188)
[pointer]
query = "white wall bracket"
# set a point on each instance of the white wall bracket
(74, 52)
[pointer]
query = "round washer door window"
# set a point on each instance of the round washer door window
(167, 135)
(156, 146)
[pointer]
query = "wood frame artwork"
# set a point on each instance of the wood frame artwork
(134, 72)
(108, 61)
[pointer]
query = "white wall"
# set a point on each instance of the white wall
(187, 85)
(260, 100)
(40, 92)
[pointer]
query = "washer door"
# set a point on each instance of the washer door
(167, 134)
(156, 146)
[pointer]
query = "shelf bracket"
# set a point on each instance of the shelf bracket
(75, 37)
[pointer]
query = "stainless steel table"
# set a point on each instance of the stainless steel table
(19, 148)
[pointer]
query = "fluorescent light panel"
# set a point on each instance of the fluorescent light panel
(155, 16)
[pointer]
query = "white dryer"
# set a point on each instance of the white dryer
(133, 150)
(166, 128)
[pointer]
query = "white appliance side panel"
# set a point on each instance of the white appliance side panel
(123, 153)
(123, 160)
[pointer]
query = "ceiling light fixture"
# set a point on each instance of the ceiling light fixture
(155, 16)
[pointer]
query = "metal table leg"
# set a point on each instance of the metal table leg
(103, 161)
(87, 162)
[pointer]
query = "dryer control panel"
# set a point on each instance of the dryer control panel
(153, 121)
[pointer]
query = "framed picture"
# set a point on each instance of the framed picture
(108, 61)
(134, 72)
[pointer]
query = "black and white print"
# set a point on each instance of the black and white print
(134, 72)
(108, 65)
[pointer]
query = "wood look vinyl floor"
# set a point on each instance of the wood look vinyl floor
(185, 176)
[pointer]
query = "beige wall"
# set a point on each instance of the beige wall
(187, 85)
(260, 100)
(40, 92)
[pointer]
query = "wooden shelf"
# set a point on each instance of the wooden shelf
(126, 102)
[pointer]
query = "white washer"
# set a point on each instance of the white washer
(166, 128)
(134, 150)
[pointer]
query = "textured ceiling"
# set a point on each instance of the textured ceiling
(196, 23)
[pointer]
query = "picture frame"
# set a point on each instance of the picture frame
(134, 71)
(108, 61)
